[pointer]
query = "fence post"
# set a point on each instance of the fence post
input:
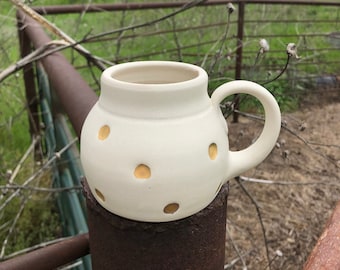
(30, 89)
(239, 51)
(196, 242)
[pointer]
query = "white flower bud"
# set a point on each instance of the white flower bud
(230, 8)
(292, 50)
(264, 45)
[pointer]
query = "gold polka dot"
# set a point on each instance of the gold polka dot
(100, 195)
(104, 132)
(142, 172)
(171, 208)
(213, 151)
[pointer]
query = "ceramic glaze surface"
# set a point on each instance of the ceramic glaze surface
(155, 147)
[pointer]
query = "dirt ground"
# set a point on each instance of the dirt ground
(307, 156)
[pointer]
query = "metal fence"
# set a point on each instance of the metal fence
(226, 45)
(231, 51)
(66, 169)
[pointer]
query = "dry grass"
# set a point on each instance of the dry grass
(293, 214)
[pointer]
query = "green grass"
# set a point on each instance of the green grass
(39, 222)
(13, 117)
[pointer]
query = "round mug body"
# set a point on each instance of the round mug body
(155, 147)
(154, 170)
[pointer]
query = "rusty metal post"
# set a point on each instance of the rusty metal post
(52, 256)
(239, 51)
(325, 254)
(30, 88)
(196, 242)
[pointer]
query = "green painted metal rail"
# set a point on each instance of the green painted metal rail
(66, 171)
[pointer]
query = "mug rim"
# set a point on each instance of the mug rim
(115, 74)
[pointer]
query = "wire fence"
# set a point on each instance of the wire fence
(224, 42)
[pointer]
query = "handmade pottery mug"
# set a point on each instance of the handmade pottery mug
(155, 147)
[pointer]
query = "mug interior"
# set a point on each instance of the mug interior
(155, 73)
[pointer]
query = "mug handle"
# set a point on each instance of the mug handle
(243, 160)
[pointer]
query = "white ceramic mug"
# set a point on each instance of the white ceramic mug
(155, 146)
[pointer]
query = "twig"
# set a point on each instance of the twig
(257, 58)
(40, 245)
(17, 168)
(280, 74)
(58, 32)
(264, 47)
(278, 254)
(258, 214)
(185, 7)
(11, 229)
(308, 144)
(238, 101)
(33, 56)
(305, 141)
(120, 35)
(4, 225)
(240, 257)
(40, 189)
(234, 261)
(22, 160)
(57, 155)
(324, 144)
(272, 182)
(222, 42)
(250, 115)
(177, 42)
(93, 75)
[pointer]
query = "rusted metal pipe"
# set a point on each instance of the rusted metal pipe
(288, 2)
(30, 88)
(117, 7)
(52, 256)
(196, 242)
(161, 5)
(239, 51)
(325, 255)
(75, 95)
(240, 32)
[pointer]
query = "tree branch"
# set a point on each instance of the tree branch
(259, 216)
(58, 32)
(57, 155)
